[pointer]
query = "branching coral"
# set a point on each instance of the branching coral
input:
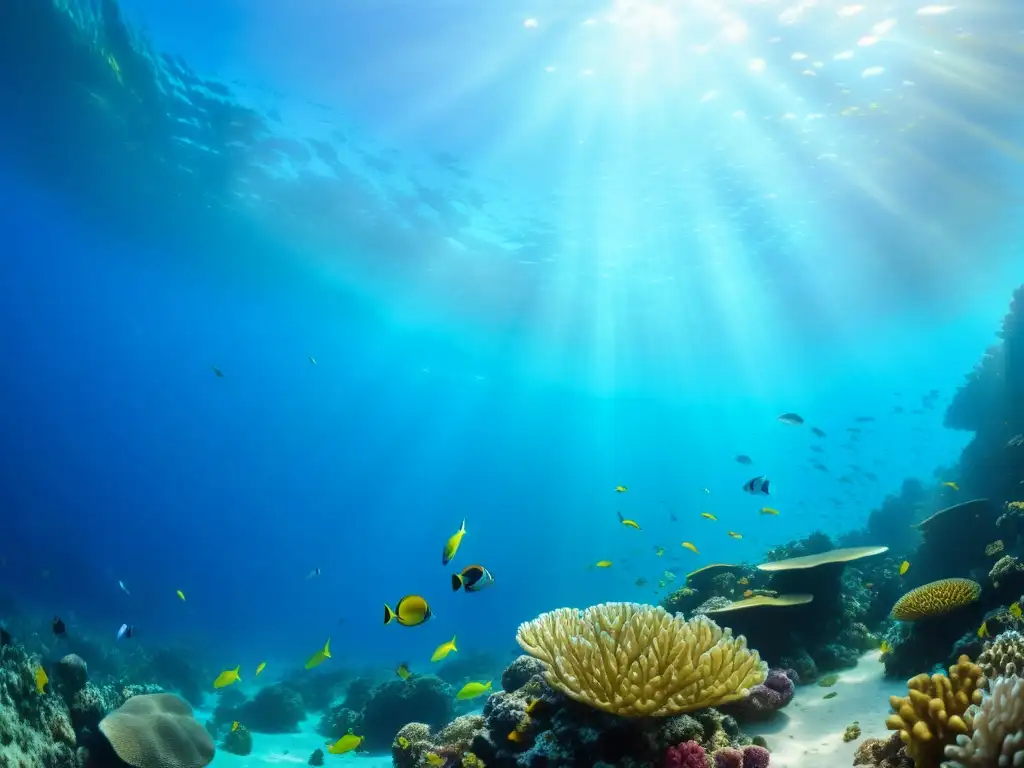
(1003, 655)
(998, 737)
(931, 716)
(638, 660)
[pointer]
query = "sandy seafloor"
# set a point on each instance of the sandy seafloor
(808, 733)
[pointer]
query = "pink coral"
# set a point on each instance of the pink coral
(689, 754)
(755, 756)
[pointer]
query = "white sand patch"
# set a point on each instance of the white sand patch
(291, 749)
(809, 732)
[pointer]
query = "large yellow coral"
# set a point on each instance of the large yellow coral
(639, 660)
(931, 715)
(936, 598)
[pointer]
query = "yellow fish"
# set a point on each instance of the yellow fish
(410, 611)
(472, 690)
(452, 545)
(403, 671)
(708, 516)
(748, 593)
(904, 567)
(181, 594)
(734, 535)
(346, 743)
(260, 668)
(41, 679)
(983, 629)
(516, 736)
(435, 759)
(885, 647)
(320, 656)
(234, 726)
(628, 522)
(444, 649)
(534, 703)
(227, 677)
(952, 485)
(691, 547)
(743, 580)
(1015, 611)
(603, 564)
(769, 511)
(402, 742)
(621, 489)
(659, 551)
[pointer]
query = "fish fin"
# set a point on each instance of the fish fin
(456, 582)
(327, 648)
(388, 615)
(621, 518)
(453, 643)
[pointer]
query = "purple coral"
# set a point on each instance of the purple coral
(769, 697)
(755, 756)
(728, 757)
(689, 754)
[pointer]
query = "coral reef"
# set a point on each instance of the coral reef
(883, 753)
(998, 729)
(518, 673)
(424, 698)
(277, 708)
(237, 741)
(1003, 656)
(931, 716)
(766, 699)
(689, 754)
(157, 731)
(615, 657)
(936, 598)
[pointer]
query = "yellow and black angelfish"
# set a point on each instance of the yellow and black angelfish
(410, 611)
(473, 578)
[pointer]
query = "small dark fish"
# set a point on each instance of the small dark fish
(819, 466)
(853, 430)
(846, 480)
(793, 419)
(817, 449)
(5, 638)
(759, 485)
(831, 695)
(818, 432)
(744, 459)
(217, 372)
(871, 476)
(59, 627)
(864, 419)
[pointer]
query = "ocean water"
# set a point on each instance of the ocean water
(535, 251)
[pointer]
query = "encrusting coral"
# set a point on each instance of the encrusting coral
(998, 736)
(639, 660)
(931, 716)
(936, 598)
(1003, 655)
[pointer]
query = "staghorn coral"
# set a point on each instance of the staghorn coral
(936, 598)
(931, 716)
(158, 730)
(998, 737)
(1003, 655)
(637, 660)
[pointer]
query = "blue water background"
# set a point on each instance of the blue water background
(513, 403)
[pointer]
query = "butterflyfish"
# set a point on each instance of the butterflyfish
(769, 511)
(708, 516)
(952, 485)
(410, 611)
(443, 650)
(734, 535)
(452, 545)
(621, 489)
(403, 671)
(759, 485)
(473, 578)
(181, 594)
(260, 668)
(688, 545)
(627, 522)
(904, 567)
(472, 690)
(227, 677)
(320, 656)
(41, 679)
(346, 743)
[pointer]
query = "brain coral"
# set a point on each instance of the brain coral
(639, 660)
(998, 738)
(936, 598)
(157, 730)
(931, 716)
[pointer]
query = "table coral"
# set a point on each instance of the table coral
(931, 716)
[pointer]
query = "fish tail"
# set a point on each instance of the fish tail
(456, 582)
(463, 528)
(389, 615)
(327, 648)
(453, 643)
